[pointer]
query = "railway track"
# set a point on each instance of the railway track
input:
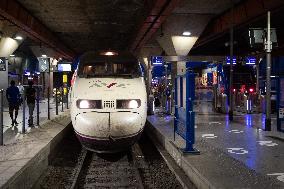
(107, 171)
(140, 167)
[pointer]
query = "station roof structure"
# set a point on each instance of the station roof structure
(144, 27)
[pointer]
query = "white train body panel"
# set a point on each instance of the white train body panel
(109, 101)
(109, 124)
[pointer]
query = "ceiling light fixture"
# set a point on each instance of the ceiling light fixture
(109, 53)
(44, 56)
(12, 55)
(186, 33)
(18, 37)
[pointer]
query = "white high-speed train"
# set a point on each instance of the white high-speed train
(109, 101)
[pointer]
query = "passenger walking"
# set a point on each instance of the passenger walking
(31, 97)
(13, 97)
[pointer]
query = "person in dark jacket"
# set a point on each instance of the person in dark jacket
(31, 98)
(13, 96)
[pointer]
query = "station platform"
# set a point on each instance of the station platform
(25, 156)
(236, 154)
(12, 134)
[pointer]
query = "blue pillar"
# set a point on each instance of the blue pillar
(181, 91)
(190, 114)
(176, 107)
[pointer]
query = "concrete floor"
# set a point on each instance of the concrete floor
(11, 134)
(238, 149)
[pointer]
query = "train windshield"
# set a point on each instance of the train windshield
(109, 69)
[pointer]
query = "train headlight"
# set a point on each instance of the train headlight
(89, 104)
(133, 104)
(84, 104)
(128, 104)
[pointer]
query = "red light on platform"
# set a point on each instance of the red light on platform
(251, 90)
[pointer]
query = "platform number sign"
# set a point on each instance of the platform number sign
(2, 64)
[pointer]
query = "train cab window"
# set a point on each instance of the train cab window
(110, 69)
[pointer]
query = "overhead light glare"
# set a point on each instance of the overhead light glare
(18, 37)
(186, 33)
(44, 55)
(109, 53)
(12, 55)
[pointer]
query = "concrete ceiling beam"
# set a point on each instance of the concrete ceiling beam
(15, 13)
(242, 13)
(160, 10)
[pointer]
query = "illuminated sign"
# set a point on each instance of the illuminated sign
(64, 67)
(157, 60)
(228, 60)
(43, 64)
(250, 60)
(65, 78)
(3, 64)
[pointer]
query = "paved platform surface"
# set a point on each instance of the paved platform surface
(25, 157)
(233, 155)
(11, 134)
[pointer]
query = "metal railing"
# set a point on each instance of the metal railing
(35, 118)
(184, 121)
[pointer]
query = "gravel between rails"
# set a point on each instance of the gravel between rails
(140, 167)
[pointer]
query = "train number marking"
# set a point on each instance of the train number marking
(214, 122)
(280, 176)
(237, 151)
(267, 143)
(209, 136)
(236, 131)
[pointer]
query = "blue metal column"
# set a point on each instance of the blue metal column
(280, 104)
(181, 91)
(190, 114)
(24, 114)
(176, 108)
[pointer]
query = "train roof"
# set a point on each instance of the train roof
(99, 56)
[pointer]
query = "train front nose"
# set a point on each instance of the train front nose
(108, 132)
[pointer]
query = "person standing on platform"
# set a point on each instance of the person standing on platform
(13, 97)
(31, 98)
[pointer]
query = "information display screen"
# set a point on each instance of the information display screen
(64, 67)
(250, 60)
(43, 64)
(229, 62)
(157, 60)
(2, 64)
